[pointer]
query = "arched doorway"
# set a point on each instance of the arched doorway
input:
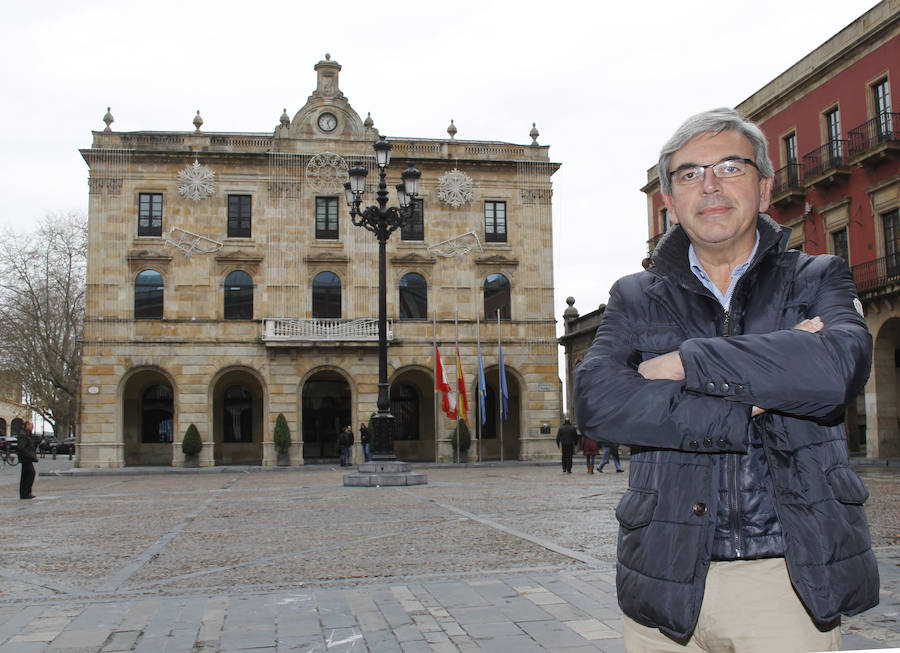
(238, 418)
(496, 429)
(882, 433)
(148, 409)
(326, 409)
(412, 405)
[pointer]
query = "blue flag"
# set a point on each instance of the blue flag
(503, 390)
(482, 386)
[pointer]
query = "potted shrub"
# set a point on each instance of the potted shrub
(191, 446)
(282, 437)
(462, 435)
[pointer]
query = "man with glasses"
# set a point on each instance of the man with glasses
(726, 367)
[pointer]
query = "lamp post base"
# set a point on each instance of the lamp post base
(383, 437)
(385, 474)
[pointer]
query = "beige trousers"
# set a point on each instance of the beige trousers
(749, 607)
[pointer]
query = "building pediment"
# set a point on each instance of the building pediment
(327, 114)
(327, 258)
(413, 259)
(239, 256)
(496, 259)
(149, 255)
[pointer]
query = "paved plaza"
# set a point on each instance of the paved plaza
(513, 558)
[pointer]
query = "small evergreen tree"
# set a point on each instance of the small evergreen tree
(462, 433)
(191, 444)
(282, 434)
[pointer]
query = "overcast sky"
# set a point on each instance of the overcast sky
(605, 82)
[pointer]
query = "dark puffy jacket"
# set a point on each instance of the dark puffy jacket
(684, 433)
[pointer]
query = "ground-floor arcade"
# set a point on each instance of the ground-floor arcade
(138, 417)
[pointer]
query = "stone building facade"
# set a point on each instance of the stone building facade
(834, 138)
(226, 284)
(578, 334)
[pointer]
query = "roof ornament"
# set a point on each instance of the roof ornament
(198, 121)
(108, 119)
(285, 119)
(534, 133)
(452, 130)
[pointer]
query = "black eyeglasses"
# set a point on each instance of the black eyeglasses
(725, 169)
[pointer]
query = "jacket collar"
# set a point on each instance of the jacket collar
(671, 254)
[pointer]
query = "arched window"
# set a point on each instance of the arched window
(148, 296)
(413, 297)
(238, 406)
(156, 414)
(238, 296)
(497, 297)
(326, 295)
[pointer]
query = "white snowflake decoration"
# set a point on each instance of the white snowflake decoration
(327, 172)
(196, 182)
(455, 188)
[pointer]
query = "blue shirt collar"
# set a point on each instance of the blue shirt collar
(700, 273)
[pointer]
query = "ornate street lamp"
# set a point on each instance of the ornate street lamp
(382, 220)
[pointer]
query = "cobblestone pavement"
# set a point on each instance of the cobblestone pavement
(516, 558)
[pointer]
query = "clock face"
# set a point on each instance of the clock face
(327, 122)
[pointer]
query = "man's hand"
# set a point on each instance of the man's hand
(812, 325)
(668, 366)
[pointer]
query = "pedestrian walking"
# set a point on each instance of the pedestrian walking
(26, 447)
(726, 365)
(566, 438)
(610, 449)
(590, 449)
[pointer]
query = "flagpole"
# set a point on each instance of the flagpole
(500, 387)
(456, 320)
(481, 390)
(434, 385)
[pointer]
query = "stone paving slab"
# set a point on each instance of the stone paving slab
(484, 558)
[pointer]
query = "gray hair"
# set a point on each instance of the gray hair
(714, 122)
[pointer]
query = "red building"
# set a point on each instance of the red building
(834, 139)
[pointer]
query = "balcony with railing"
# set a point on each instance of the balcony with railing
(788, 185)
(878, 274)
(288, 332)
(875, 139)
(827, 164)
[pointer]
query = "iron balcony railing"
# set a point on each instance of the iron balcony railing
(875, 274)
(883, 128)
(826, 158)
(287, 330)
(787, 179)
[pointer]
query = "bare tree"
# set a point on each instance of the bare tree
(42, 283)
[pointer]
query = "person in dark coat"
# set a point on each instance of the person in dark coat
(590, 449)
(365, 438)
(26, 447)
(726, 366)
(345, 441)
(566, 438)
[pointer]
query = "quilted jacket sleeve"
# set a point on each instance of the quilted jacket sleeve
(616, 404)
(788, 371)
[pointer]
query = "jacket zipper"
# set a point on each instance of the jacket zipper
(733, 472)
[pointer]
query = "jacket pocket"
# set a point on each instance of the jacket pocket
(636, 508)
(847, 485)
